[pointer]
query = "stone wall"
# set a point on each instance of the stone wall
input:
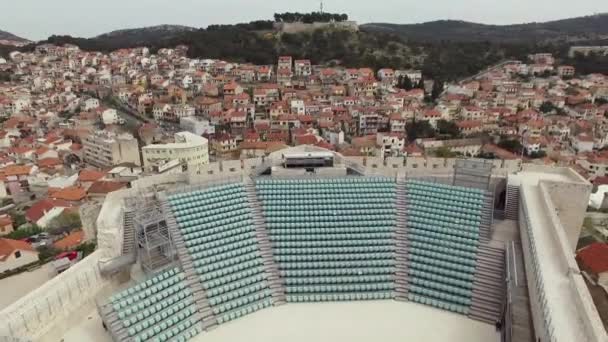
(303, 27)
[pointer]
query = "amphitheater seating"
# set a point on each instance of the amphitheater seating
(218, 231)
(158, 309)
(332, 238)
(443, 224)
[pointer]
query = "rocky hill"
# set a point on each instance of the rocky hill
(566, 30)
(7, 38)
(446, 50)
(142, 33)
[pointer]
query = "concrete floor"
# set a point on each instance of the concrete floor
(17, 286)
(504, 231)
(386, 321)
(364, 321)
(89, 329)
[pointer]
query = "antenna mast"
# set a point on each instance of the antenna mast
(321, 6)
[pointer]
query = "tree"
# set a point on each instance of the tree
(64, 223)
(437, 89)
(419, 129)
(25, 232)
(601, 101)
(404, 82)
(546, 107)
(420, 84)
(444, 152)
(46, 253)
(448, 128)
(86, 248)
(536, 155)
(486, 155)
(18, 218)
(511, 145)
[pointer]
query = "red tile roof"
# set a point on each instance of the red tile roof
(87, 175)
(16, 170)
(49, 162)
(105, 187)
(594, 257)
(307, 139)
(71, 193)
(36, 211)
(71, 241)
(8, 246)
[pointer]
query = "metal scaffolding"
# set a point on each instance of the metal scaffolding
(473, 173)
(156, 248)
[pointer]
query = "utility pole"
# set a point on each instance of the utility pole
(321, 6)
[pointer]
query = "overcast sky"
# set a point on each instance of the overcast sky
(38, 19)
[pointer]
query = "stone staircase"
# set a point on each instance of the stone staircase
(113, 324)
(401, 242)
(489, 285)
(120, 334)
(277, 285)
(487, 212)
(209, 320)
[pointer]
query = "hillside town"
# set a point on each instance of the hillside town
(77, 125)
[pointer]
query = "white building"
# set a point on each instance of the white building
(333, 137)
(196, 125)
(583, 143)
(15, 253)
(105, 150)
(190, 149)
(297, 107)
(19, 104)
(90, 103)
(550, 204)
(185, 110)
(390, 144)
(414, 75)
(110, 117)
(303, 67)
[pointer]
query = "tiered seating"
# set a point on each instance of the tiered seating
(158, 309)
(218, 231)
(443, 224)
(332, 238)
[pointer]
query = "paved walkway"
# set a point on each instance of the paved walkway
(17, 286)
(386, 321)
(89, 329)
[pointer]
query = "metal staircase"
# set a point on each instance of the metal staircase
(192, 280)
(401, 242)
(512, 202)
(487, 218)
(277, 285)
(128, 244)
(488, 285)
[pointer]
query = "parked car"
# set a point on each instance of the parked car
(73, 255)
(65, 260)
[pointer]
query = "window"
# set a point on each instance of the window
(375, 166)
(18, 254)
(210, 172)
(414, 166)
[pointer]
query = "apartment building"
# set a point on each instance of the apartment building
(105, 149)
(191, 150)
